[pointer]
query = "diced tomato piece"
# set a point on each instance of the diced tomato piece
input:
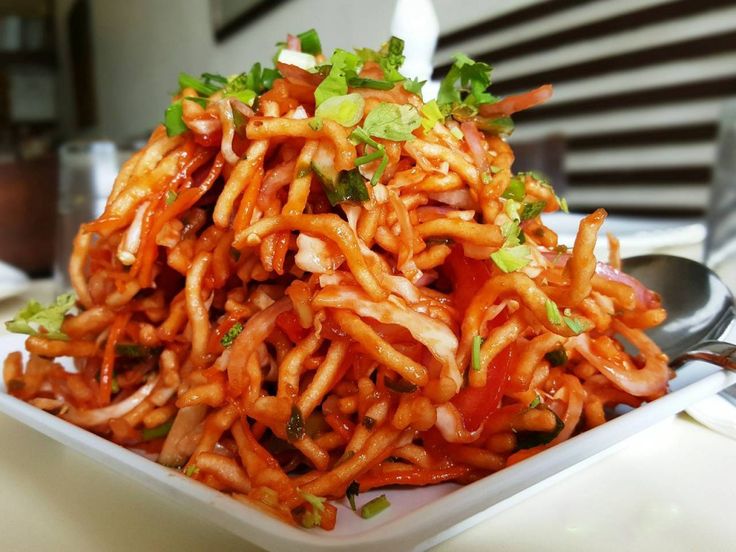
(466, 275)
(476, 404)
(289, 322)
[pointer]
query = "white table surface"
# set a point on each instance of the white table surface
(672, 487)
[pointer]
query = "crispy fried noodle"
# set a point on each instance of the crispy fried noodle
(310, 283)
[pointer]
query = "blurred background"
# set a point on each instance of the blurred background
(640, 86)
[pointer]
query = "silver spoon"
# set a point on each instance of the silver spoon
(700, 308)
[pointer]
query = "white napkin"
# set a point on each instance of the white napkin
(717, 414)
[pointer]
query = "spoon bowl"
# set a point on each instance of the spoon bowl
(699, 305)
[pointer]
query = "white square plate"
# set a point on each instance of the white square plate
(419, 517)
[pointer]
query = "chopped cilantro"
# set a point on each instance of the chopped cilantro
(530, 439)
(511, 259)
(473, 79)
(532, 209)
(392, 59)
(335, 84)
(352, 491)
(414, 86)
(231, 334)
(392, 122)
(46, 321)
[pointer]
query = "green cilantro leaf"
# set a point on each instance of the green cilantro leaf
(173, 120)
(414, 86)
(335, 84)
(511, 259)
(35, 319)
(392, 59)
(466, 83)
(512, 233)
(352, 491)
(392, 122)
(532, 209)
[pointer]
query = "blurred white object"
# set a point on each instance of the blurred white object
(416, 22)
(638, 235)
(12, 281)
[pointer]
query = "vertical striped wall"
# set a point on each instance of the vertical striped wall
(638, 89)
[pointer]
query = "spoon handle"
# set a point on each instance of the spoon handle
(719, 353)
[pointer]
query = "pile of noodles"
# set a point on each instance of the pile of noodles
(235, 325)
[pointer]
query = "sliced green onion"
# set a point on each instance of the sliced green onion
(533, 209)
(191, 470)
(190, 81)
(553, 312)
(457, 133)
(575, 325)
(511, 259)
(173, 119)
(299, 59)
(363, 159)
(346, 110)
(536, 402)
(374, 507)
(475, 361)
(310, 42)
(171, 197)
